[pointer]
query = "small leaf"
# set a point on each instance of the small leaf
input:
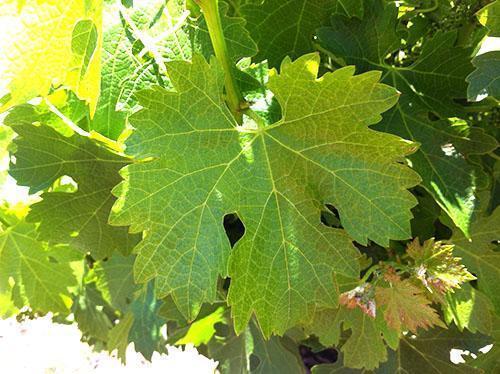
(405, 307)
(436, 266)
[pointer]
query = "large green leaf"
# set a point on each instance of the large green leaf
(30, 61)
(41, 280)
(275, 177)
(431, 84)
(78, 218)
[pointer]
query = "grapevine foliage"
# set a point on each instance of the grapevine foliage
(288, 185)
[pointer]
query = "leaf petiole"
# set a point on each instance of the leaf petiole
(234, 97)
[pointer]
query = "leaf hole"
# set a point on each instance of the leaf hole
(234, 228)
(330, 217)
(64, 184)
(254, 362)
(312, 357)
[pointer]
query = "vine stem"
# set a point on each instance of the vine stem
(234, 97)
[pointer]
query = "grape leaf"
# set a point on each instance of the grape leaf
(428, 352)
(479, 254)
(115, 280)
(145, 330)
(29, 63)
(365, 347)
(285, 28)
(79, 218)
(124, 69)
(405, 307)
(118, 336)
(469, 308)
(40, 279)
(249, 352)
(89, 315)
(486, 78)
(206, 166)
(490, 16)
(436, 266)
(430, 84)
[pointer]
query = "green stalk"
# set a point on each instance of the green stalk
(4, 222)
(234, 98)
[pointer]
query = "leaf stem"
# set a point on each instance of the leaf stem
(494, 155)
(368, 273)
(4, 222)
(234, 98)
(261, 123)
(68, 122)
(112, 144)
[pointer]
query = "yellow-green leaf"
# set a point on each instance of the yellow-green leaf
(49, 42)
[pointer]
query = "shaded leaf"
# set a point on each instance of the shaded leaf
(431, 84)
(78, 218)
(485, 80)
(285, 28)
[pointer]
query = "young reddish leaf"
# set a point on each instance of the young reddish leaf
(405, 307)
